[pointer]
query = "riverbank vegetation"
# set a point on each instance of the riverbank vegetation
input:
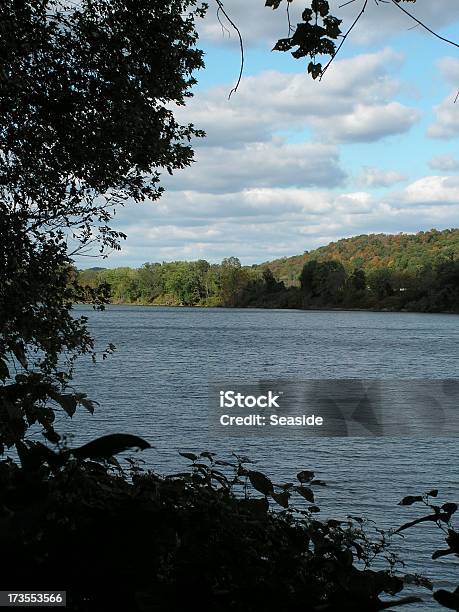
(86, 93)
(218, 536)
(392, 272)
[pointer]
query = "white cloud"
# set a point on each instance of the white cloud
(441, 190)
(273, 164)
(261, 25)
(375, 177)
(444, 163)
(259, 224)
(449, 67)
(354, 104)
(446, 125)
(367, 123)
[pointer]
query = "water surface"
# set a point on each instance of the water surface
(155, 385)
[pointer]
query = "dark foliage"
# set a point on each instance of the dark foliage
(86, 91)
(202, 539)
(440, 516)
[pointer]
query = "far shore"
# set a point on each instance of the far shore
(312, 309)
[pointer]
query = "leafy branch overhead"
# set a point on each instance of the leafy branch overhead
(317, 35)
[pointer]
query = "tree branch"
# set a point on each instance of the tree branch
(344, 38)
(241, 44)
(446, 40)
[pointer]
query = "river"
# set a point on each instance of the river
(156, 385)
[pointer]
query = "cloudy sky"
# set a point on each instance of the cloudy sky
(290, 164)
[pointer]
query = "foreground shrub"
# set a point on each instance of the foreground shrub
(218, 536)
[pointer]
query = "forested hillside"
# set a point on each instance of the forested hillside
(401, 252)
(394, 272)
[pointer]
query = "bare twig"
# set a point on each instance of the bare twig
(344, 38)
(224, 28)
(241, 44)
(290, 27)
(446, 40)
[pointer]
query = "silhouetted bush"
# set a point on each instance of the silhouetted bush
(218, 536)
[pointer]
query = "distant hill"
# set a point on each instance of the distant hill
(404, 252)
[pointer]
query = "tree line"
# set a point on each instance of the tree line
(433, 287)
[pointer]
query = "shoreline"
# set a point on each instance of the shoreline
(316, 309)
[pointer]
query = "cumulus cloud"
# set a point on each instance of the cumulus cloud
(375, 177)
(441, 190)
(367, 123)
(449, 67)
(261, 25)
(273, 164)
(446, 124)
(444, 163)
(354, 104)
(258, 224)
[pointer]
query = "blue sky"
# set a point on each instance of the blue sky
(290, 164)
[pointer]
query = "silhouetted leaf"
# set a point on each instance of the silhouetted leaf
(52, 435)
(449, 508)
(432, 493)
(447, 599)
(190, 456)
(410, 499)
(274, 4)
(4, 372)
(107, 446)
(67, 401)
(261, 483)
(305, 476)
(441, 553)
(306, 493)
(19, 353)
(90, 405)
(281, 498)
(418, 581)
(318, 483)
(207, 455)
